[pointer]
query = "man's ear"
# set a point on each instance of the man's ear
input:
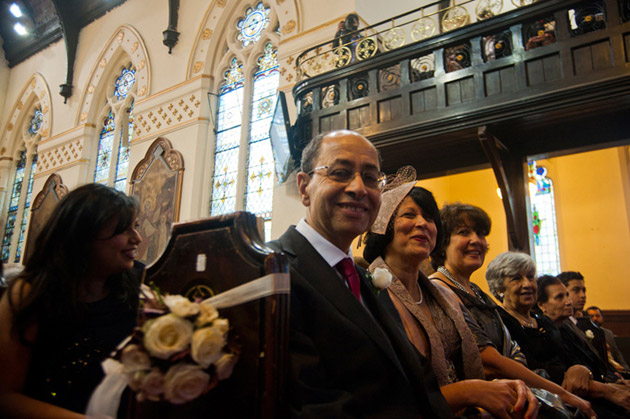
(302, 182)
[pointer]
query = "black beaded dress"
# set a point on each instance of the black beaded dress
(65, 366)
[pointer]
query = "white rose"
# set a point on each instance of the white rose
(167, 335)
(181, 306)
(134, 358)
(185, 382)
(225, 365)
(207, 314)
(134, 379)
(589, 334)
(153, 385)
(207, 344)
(222, 325)
(381, 278)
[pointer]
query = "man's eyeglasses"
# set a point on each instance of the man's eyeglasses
(371, 178)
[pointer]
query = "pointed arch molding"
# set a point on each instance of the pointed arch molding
(157, 184)
(124, 40)
(35, 92)
(210, 33)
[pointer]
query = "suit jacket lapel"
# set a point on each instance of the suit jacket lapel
(311, 265)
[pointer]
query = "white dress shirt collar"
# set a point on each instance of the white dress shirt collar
(331, 253)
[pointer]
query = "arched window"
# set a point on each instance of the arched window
(112, 161)
(246, 101)
(20, 198)
(543, 213)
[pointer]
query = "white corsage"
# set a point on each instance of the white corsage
(380, 279)
(589, 334)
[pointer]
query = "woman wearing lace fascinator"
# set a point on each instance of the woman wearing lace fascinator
(403, 236)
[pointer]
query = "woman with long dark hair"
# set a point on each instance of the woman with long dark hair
(74, 302)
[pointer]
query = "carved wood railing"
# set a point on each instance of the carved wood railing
(539, 80)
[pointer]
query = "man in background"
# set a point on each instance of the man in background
(598, 318)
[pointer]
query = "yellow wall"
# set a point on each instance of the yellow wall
(477, 188)
(592, 212)
(593, 228)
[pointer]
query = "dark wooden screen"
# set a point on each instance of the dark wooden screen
(43, 205)
(157, 183)
(208, 257)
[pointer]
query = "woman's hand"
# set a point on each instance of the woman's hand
(581, 404)
(619, 395)
(504, 399)
(577, 380)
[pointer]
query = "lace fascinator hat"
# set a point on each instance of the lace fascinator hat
(397, 187)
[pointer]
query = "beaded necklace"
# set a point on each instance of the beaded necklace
(447, 273)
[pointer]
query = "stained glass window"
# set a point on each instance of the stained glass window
(260, 167)
(105, 146)
(36, 122)
(122, 165)
(14, 202)
(245, 106)
(251, 26)
(113, 151)
(26, 211)
(228, 139)
(124, 82)
(544, 228)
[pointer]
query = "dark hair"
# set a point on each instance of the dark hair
(60, 259)
(544, 282)
(567, 276)
(457, 215)
(593, 308)
(311, 151)
(375, 244)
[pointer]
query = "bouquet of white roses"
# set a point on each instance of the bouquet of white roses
(179, 351)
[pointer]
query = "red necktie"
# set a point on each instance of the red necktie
(348, 271)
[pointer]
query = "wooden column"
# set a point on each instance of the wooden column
(510, 174)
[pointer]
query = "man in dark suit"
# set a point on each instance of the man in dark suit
(347, 356)
(597, 317)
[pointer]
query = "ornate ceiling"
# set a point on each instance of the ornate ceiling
(47, 21)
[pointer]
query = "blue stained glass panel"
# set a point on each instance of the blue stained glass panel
(26, 212)
(124, 82)
(105, 148)
(122, 165)
(260, 165)
(251, 26)
(228, 139)
(544, 227)
(14, 201)
(36, 122)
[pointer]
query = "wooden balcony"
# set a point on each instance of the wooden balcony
(545, 79)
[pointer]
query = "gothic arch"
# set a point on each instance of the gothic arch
(219, 18)
(126, 42)
(35, 93)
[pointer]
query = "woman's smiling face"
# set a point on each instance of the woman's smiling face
(467, 248)
(414, 232)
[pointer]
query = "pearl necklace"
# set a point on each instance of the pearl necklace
(447, 274)
(421, 295)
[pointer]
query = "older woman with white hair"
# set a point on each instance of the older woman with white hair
(511, 277)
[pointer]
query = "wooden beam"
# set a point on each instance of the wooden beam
(509, 171)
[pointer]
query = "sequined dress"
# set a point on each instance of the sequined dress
(65, 365)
